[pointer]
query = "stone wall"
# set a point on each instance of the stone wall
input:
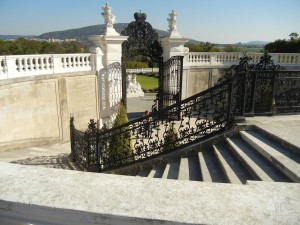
(199, 79)
(36, 110)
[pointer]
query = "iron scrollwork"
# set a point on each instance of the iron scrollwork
(287, 92)
(271, 92)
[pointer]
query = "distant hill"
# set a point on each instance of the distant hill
(9, 37)
(262, 43)
(83, 33)
(258, 44)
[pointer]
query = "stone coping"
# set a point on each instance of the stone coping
(52, 196)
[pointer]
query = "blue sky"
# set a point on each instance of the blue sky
(218, 21)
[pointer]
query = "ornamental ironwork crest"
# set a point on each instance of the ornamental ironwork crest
(142, 40)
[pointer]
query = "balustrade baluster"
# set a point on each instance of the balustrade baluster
(50, 62)
(67, 62)
(76, 61)
(63, 61)
(45, 63)
(41, 63)
(29, 64)
(23, 63)
(81, 63)
(2, 68)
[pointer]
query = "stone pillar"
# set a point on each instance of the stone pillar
(108, 57)
(111, 47)
(173, 45)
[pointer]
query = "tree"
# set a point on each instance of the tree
(24, 46)
(294, 36)
(120, 144)
(285, 46)
(203, 47)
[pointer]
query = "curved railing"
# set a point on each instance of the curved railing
(201, 116)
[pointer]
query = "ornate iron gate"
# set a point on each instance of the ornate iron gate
(170, 85)
(142, 40)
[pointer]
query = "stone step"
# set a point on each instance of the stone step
(143, 173)
(194, 168)
(232, 167)
(206, 177)
(257, 165)
(171, 170)
(230, 174)
(215, 171)
(285, 160)
(184, 169)
(157, 171)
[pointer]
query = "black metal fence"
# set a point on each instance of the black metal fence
(272, 92)
(202, 116)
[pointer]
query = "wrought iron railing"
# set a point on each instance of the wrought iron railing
(272, 92)
(202, 116)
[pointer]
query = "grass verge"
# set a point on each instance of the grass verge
(147, 82)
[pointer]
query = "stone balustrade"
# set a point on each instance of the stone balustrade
(206, 59)
(30, 65)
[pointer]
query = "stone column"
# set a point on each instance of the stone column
(173, 45)
(108, 57)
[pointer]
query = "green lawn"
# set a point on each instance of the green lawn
(147, 82)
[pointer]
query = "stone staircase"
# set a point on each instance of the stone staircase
(251, 154)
